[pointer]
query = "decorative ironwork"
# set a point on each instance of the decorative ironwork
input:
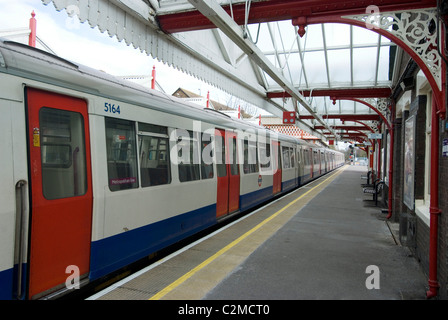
(416, 28)
(373, 125)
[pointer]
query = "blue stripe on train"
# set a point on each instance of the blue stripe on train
(113, 253)
(6, 285)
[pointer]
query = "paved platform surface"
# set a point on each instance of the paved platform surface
(323, 252)
(323, 241)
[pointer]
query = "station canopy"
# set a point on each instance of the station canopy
(255, 53)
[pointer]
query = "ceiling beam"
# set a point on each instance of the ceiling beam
(372, 92)
(351, 128)
(214, 12)
(346, 117)
(276, 10)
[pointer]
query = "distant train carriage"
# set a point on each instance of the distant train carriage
(98, 173)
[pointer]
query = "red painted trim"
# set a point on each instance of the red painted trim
(437, 94)
(373, 108)
(434, 210)
(276, 10)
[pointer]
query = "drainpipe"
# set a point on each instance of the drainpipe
(379, 160)
(434, 210)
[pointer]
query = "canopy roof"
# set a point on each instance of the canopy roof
(273, 54)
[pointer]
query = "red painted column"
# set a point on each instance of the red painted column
(32, 37)
(153, 80)
(208, 99)
(391, 162)
(434, 210)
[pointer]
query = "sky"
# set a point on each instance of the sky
(78, 42)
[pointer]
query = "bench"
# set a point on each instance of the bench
(372, 184)
(375, 190)
(369, 173)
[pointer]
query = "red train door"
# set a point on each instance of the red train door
(61, 190)
(277, 167)
(228, 193)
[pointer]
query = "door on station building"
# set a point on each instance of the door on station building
(61, 190)
(277, 167)
(228, 193)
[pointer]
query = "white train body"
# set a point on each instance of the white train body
(89, 178)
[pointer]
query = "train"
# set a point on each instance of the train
(97, 172)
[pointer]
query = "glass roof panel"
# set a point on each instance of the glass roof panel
(362, 108)
(347, 106)
(259, 34)
(364, 64)
(383, 67)
(363, 36)
(337, 35)
(312, 37)
(315, 68)
(339, 66)
(295, 64)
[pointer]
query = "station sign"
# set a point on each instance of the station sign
(375, 136)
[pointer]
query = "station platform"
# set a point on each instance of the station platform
(324, 241)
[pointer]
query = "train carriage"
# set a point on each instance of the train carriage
(98, 173)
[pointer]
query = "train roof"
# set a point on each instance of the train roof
(32, 63)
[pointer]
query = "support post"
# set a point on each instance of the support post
(33, 27)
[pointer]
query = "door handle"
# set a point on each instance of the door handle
(20, 192)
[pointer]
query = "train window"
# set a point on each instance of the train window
(121, 154)
(63, 155)
(154, 155)
(265, 155)
(221, 166)
(206, 157)
(250, 164)
(279, 157)
(152, 128)
(286, 157)
(292, 154)
(307, 157)
(234, 167)
(188, 156)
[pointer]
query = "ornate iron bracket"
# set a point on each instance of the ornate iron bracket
(415, 28)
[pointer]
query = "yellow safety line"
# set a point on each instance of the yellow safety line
(190, 273)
